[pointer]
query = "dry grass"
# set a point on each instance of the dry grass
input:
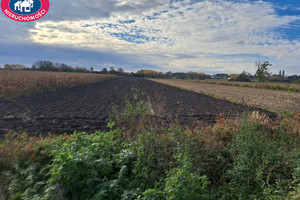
(15, 83)
(261, 118)
(268, 99)
(292, 87)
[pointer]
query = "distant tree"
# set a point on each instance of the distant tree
(120, 70)
(33, 67)
(262, 71)
(192, 75)
(233, 76)
(44, 66)
(196, 75)
(104, 71)
(65, 68)
(80, 69)
(180, 75)
(14, 67)
(112, 70)
(244, 76)
(169, 74)
(149, 73)
(37, 64)
(91, 69)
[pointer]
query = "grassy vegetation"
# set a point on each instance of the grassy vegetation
(251, 158)
(14, 83)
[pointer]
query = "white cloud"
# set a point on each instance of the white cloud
(182, 35)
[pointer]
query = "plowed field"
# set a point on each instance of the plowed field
(87, 107)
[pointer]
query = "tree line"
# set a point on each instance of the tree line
(46, 66)
(262, 72)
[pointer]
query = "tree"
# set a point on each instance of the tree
(104, 71)
(262, 71)
(244, 76)
(14, 67)
(65, 68)
(80, 69)
(169, 74)
(92, 69)
(149, 73)
(37, 64)
(233, 76)
(120, 70)
(44, 65)
(112, 70)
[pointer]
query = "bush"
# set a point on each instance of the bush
(181, 183)
(132, 119)
(264, 162)
(93, 167)
(244, 76)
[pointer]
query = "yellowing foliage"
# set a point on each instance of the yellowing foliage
(233, 76)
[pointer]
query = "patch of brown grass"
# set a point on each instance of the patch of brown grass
(15, 83)
(291, 87)
(272, 100)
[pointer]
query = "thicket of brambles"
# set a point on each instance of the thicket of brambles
(250, 158)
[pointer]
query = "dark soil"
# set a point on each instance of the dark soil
(87, 107)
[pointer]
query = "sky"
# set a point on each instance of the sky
(210, 36)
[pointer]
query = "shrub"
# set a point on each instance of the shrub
(92, 167)
(181, 183)
(131, 119)
(155, 156)
(263, 163)
(24, 164)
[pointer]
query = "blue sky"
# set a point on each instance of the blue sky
(210, 36)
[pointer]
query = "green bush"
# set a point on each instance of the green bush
(28, 180)
(93, 167)
(25, 166)
(180, 184)
(264, 162)
(130, 117)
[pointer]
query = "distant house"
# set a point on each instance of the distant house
(276, 76)
(293, 78)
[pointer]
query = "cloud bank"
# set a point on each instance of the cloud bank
(208, 36)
